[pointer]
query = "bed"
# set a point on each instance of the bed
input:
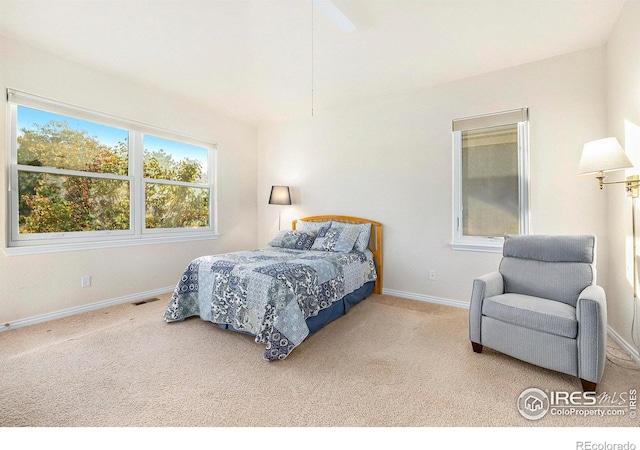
(304, 279)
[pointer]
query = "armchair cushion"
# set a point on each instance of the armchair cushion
(551, 267)
(559, 248)
(535, 313)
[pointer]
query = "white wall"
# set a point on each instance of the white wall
(33, 286)
(623, 93)
(390, 159)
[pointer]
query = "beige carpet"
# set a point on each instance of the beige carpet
(389, 363)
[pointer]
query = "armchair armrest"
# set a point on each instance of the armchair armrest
(492, 283)
(485, 286)
(591, 313)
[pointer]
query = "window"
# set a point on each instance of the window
(175, 181)
(491, 182)
(81, 179)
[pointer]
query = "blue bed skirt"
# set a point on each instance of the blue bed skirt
(337, 309)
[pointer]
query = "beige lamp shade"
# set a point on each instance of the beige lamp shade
(603, 155)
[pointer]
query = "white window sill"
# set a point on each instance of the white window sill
(488, 246)
(75, 246)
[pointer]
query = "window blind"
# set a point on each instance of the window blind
(491, 120)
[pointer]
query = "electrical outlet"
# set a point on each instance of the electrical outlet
(86, 281)
(432, 275)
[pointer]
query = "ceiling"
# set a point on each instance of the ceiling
(260, 60)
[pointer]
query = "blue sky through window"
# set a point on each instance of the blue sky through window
(107, 135)
(28, 118)
(177, 150)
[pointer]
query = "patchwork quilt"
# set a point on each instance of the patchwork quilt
(268, 292)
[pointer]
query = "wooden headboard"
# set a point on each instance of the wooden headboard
(375, 240)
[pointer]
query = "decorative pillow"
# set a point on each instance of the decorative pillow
(297, 240)
(311, 227)
(364, 232)
(332, 239)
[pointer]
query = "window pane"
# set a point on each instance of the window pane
(55, 203)
(490, 181)
(52, 140)
(170, 206)
(171, 160)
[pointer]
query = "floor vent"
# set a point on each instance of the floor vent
(148, 300)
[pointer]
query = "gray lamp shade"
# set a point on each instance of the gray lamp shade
(280, 195)
(603, 155)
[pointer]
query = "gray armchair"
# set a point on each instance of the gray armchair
(542, 306)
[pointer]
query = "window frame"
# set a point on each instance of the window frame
(137, 234)
(492, 244)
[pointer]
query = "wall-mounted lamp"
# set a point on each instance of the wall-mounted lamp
(280, 195)
(606, 155)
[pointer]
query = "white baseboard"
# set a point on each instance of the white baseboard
(630, 349)
(425, 298)
(84, 308)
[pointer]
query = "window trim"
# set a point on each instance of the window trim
(137, 234)
(492, 244)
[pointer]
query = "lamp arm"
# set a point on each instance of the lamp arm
(632, 184)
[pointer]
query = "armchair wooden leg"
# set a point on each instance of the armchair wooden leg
(588, 386)
(476, 347)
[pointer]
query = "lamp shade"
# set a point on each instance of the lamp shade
(601, 156)
(280, 195)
